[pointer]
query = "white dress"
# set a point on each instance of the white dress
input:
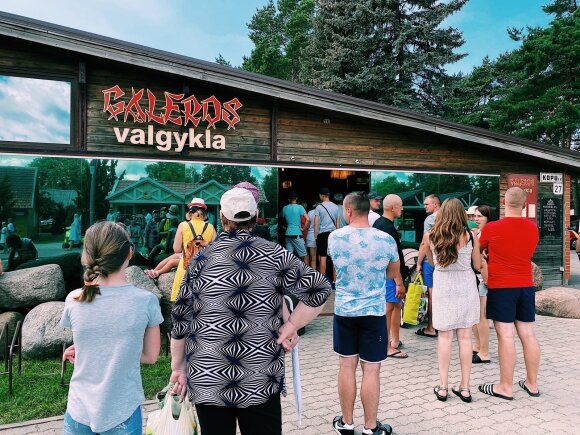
(455, 293)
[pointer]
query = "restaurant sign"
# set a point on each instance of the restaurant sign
(186, 112)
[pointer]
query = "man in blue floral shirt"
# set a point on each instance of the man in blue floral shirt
(229, 336)
(363, 258)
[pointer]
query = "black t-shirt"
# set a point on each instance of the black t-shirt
(388, 227)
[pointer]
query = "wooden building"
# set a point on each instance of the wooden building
(133, 102)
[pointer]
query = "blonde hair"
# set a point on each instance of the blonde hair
(515, 197)
(106, 247)
(450, 225)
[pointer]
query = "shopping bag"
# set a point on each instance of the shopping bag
(415, 308)
(161, 422)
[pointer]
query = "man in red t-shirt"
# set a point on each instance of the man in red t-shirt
(510, 244)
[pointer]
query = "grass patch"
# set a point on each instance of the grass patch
(38, 394)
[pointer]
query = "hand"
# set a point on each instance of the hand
(69, 354)
(400, 291)
(180, 379)
(418, 268)
(288, 336)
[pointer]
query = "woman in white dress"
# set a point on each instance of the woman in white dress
(455, 295)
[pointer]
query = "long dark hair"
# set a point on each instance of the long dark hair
(106, 247)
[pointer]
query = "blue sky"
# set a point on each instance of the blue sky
(203, 29)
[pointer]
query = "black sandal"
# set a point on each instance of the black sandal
(440, 396)
(466, 399)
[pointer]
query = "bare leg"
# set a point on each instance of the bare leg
(347, 386)
(393, 327)
(312, 252)
(370, 392)
(482, 329)
(464, 340)
(322, 269)
(531, 353)
(507, 357)
(475, 344)
(444, 357)
(429, 329)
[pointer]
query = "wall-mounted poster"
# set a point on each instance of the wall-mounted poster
(551, 217)
(530, 185)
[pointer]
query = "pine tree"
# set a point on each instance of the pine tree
(390, 51)
(279, 34)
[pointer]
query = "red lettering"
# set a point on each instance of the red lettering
(152, 116)
(170, 107)
(134, 108)
(113, 109)
(217, 107)
(230, 108)
(190, 108)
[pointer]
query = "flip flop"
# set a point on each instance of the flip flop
(488, 389)
(527, 390)
(400, 345)
(476, 359)
(397, 355)
(421, 332)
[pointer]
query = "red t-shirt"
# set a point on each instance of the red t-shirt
(510, 244)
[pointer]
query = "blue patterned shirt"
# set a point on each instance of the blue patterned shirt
(361, 257)
(229, 311)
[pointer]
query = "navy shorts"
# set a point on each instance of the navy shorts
(391, 292)
(363, 336)
(510, 304)
(427, 273)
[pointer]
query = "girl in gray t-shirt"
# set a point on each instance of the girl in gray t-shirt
(115, 328)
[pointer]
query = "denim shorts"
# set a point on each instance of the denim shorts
(510, 304)
(482, 289)
(295, 244)
(427, 273)
(391, 292)
(363, 336)
(132, 426)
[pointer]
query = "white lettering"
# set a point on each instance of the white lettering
(180, 139)
(219, 142)
(195, 139)
(137, 137)
(121, 137)
(150, 135)
(163, 139)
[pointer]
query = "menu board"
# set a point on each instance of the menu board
(551, 217)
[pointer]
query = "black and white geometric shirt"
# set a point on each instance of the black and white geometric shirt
(229, 311)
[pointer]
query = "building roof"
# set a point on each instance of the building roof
(62, 196)
(73, 40)
(23, 184)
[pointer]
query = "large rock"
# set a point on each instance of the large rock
(70, 265)
(538, 277)
(42, 335)
(30, 287)
(559, 302)
(165, 283)
(8, 320)
(137, 277)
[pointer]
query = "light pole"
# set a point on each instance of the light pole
(93, 172)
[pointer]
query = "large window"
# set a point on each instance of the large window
(35, 110)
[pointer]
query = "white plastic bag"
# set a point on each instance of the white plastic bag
(161, 422)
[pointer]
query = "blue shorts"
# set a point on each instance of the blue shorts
(363, 336)
(510, 304)
(391, 292)
(132, 426)
(427, 273)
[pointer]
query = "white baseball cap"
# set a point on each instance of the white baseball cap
(471, 210)
(238, 202)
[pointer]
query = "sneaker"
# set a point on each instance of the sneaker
(381, 429)
(342, 428)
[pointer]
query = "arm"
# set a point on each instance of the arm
(151, 345)
(178, 241)
(394, 271)
(427, 248)
(306, 222)
(69, 354)
(400, 289)
(476, 255)
(316, 219)
(302, 315)
(178, 375)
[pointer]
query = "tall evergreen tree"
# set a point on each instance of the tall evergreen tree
(390, 51)
(279, 34)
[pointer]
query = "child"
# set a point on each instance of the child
(115, 328)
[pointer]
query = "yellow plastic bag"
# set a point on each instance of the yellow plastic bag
(415, 302)
(161, 422)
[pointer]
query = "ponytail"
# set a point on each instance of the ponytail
(90, 290)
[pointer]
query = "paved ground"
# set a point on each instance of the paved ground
(407, 401)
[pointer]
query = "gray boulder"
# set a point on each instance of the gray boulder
(538, 277)
(30, 287)
(559, 302)
(8, 320)
(165, 283)
(42, 335)
(137, 277)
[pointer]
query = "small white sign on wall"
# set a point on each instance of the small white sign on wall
(558, 189)
(551, 177)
